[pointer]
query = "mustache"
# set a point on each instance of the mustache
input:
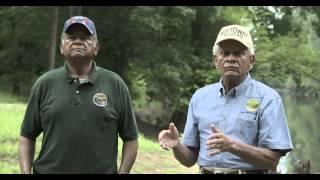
(77, 47)
(228, 64)
(231, 66)
(77, 44)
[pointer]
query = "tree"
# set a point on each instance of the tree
(53, 38)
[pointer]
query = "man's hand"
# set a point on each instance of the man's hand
(169, 138)
(261, 158)
(218, 141)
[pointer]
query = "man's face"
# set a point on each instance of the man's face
(78, 44)
(233, 59)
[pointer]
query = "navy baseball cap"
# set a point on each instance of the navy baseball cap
(86, 22)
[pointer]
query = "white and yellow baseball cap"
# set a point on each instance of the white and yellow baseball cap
(235, 32)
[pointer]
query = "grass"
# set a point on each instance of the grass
(10, 120)
(154, 160)
(151, 158)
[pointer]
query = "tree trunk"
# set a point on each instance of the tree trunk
(53, 37)
(15, 88)
(15, 57)
(75, 10)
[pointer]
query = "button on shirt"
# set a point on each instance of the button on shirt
(252, 113)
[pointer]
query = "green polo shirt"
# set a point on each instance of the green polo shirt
(80, 121)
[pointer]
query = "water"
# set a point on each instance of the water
(303, 120)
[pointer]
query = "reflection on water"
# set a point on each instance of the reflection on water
(303, 120)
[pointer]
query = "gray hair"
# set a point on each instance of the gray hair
(216, 48)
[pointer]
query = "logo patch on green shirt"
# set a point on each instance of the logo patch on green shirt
(252, 105)
(100, 99)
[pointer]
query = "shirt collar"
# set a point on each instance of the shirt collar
(236, 91)
(92, 76)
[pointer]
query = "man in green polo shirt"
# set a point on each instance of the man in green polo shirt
(81, 109)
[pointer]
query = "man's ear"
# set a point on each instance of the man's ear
(252, 59)
(214, 61)
(97, 48)
(61, 50)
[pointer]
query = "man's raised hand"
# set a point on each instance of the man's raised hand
(169, 138)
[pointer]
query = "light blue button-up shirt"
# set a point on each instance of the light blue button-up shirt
(263, 126)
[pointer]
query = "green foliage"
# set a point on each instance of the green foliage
(166, 51)
(162, 50)
(276, 62)
(285, 58)
(22, 40)
(276, 20)
(138, 91)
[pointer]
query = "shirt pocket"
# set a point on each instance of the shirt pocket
(110, 114)
(108, 119)
(248, 127)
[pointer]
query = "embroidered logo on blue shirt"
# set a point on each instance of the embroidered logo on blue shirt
(252, 105)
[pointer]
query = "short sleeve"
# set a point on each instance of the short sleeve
(191, 132)
(31, 124)
(273, 128)
(127, 127)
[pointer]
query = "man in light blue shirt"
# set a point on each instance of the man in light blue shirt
(237, 125)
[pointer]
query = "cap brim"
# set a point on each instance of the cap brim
(247, 46)
(87, 28)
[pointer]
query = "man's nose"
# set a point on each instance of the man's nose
(78, 40)
(231, 57)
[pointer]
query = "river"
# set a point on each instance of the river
(303, 120)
